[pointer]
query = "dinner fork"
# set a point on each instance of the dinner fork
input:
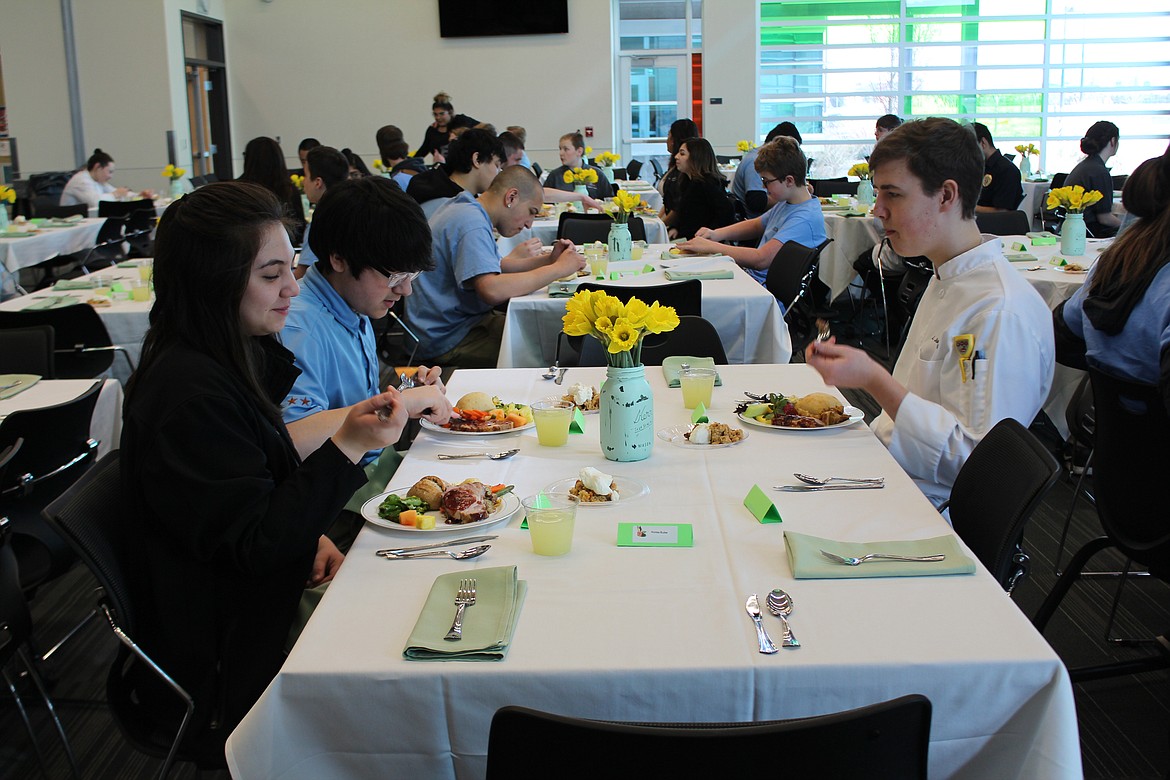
(851, 561)
(464, 598)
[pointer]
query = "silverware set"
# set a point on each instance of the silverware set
(779, 604)
(411, 552)
(464, 598)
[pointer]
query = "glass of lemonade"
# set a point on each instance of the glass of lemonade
(598, 257)
(140, 291)
(697, 385)
(637, 248)
(552, 417)
(144, 269)
(551, 517)
(101, 286)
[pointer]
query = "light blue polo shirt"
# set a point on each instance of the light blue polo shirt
(746, 178)
(803, 223)
(334, 348)
(444, 305)
(307, 257)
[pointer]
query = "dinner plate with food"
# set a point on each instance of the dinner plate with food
(587, 398)
(433, 505)
(478, 414)
(812, 412)
(703, 436)
(594, 488)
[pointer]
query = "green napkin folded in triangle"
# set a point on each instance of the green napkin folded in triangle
(51, 302)
(676, 274)
(16, 383)
(488, 626)
(807, 563)
(74, 284)
(672, 365)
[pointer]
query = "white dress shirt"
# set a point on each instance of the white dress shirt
(83, 188)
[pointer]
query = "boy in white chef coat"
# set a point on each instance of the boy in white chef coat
(980, 347)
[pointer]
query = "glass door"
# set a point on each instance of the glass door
(655, 92)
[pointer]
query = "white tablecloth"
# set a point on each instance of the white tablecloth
(646, 190)
(851, 236)
(741, 309)
(545, 229)
(1033, 203)
(661, 634)
(106, 423)
(17, 253)
(126, 320)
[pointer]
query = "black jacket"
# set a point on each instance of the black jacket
(704, 203)
(431, 184)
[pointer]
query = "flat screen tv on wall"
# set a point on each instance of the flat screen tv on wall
(477, 18)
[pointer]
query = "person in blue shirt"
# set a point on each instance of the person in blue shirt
(373, 242)
(324, 167)
(795, 217)
(746, 186)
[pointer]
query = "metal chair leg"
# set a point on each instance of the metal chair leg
(27, 724)
(40, 684)
(1072, 506)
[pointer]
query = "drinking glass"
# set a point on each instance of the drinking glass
(140, 291)
(697, 385)
(552, 417)
(551, 517)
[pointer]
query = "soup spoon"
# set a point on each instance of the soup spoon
(826, 480)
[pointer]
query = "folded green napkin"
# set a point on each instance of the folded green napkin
(74, 284)
(678, 274)
(807, 563)
(672, 365)
(19, 383)
(51, 302)
(15, 234)
(487, 627)
(1020, 257)
(562, 289)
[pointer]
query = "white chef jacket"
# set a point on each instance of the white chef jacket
(83, 188)
(942, 417)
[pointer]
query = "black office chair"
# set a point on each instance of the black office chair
(694, 336)
(27, 351)
(1130, 458)
(62, 212)
(686, 297)
(45, 189)
(1002, 482)
(792, 278)
(633, 168)
(824, 188)
(91, 517)
(1119, 181)
(913, 286)
(886, 740)
(140, 218)
(587, 228)
(724, 159)
(15, 630)
(198, 181)
(658, 168)
(1003, 223)
(83, 345)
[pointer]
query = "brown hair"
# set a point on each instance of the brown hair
(936, 149)
(1143, 245)
(782, 157)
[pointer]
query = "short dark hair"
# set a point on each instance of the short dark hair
(576, 139)
(329, 164)
(982, 133)
(98, 158)
(388, 138)
(520, 178)
(307, 143)
(1098, 137)
(889, 121)
(786, 129)
(682, 129)
(782, 157)
(371, 223)
(936, 149)
(511, 143)
(461, 152)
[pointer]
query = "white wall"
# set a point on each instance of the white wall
(730, 53)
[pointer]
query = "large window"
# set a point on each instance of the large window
(1038, 71)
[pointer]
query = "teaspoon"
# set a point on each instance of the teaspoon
(780, 605)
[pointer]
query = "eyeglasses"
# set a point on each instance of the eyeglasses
(767, 182)
(397, 279)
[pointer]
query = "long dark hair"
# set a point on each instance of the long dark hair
(98, 158)
(701, 160)
(264, 165)
(204, 249)
(1098, 137)
(1142, 248)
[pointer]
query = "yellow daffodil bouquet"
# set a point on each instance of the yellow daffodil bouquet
(378, 164)
(860, 170)
(173, 173)
(625, 203)
(607, 159)
(1027, 150)
(298, 181)
(745, 146)
(581, 176)
(1072, 199)
(7, 194)
(620, 327)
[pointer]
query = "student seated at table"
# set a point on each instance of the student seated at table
(1119, 319)
(452, 309)
(473, 160)
(1002, 189)
(705, 201)
(571, 150)
(1099, 144)
(374, 241)
(264, 165)
(795, 217)
(228, 516)
(980, 345)
(91, 184)
(746, 185)
(514, 154)
(324, 167)
(304, 146)
(395, 154)
(672, 183)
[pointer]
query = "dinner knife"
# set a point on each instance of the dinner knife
(436, 545)
(815, 488)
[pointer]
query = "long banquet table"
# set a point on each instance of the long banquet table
(545, 228)
(746, 315)
(18, 253)
(105, 426)
(661, 634)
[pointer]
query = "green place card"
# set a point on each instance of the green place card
(578, 423)
(761, 507)
(655, 535)
(1044, 241)
(1018, 247)
(700, 414)
(614, 276)
(647, 269)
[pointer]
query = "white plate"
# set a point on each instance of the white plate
(510, 503)
(430, 426)
(855, 415)
(676, 436)
(628, 490)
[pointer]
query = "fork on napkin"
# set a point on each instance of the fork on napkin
(12, 384)
(487, 628)
(807, 562)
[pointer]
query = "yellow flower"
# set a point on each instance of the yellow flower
(624, 336)
(636, 312)
(607, 159)
(568, 177)
(378, 164)
(660, 319)
(298, 181)
(8, 194)
(1027, 149)
(745, 146)
(1073, 199)
(588, 150)
(581, 176)
(619, 326)
(860, 170)
(604, 326)
(168, 172)
(577, 324)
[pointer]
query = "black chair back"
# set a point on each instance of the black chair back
(824, 188)
(1003, 223)
(56, 441)
(83, 345)
(659, 169)
(686, 297)
(587, 228)
(791, 275)
(1058, 180)
(910, 291)
(139, 219)
(886, 740)
(633, 168)
(62, 212)
(694, 336)
(1004, 479)
(27, 351)
(536, 168)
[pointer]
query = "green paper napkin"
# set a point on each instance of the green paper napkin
(19, 382)
(676, 275)
(672, 365)
(487, 627)
(51, 302)
(128, 264)
(804, 556)
(1021, 257)
(74, 284)
(700, 414)
(1040, 234)
(578, 423)
(761, 507)
(562, 289)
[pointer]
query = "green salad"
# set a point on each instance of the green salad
(394, 505)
